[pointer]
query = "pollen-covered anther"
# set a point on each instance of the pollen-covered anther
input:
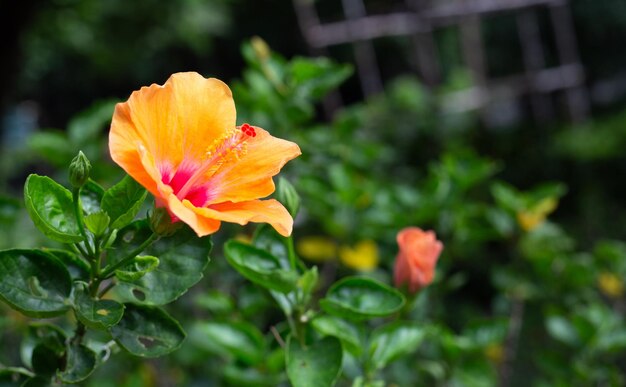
(248, 130)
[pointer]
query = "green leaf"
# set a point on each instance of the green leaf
(393, 341)
(34, 283)
(86, 126)
(90, 197)
(41, 333)
(46, 360)
(361, 298)
(140, 266)
(250, 377)
(316, 365)
(123, 201)
(52, 145)
(345, 331)
(81, 362)
(96, 314)
(147, 331)
(562, 329)
(13, 376)
(259, 266)
(215, 302)
(50, 207)
(238, 339)
(182, 260)
(266, 238)
(97, 222)
(77, 267)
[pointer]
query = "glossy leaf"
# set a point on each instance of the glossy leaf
(33, 282)
(266, 238)
(41, 333)
(392, 341)
(140, 266)
(97, 222)
(259, 266)
(349, 334)
(123, 201)
(182, 260)
(90, 197)
(80, 363)
(147, 331)
(45, 360)
(316, 365)
(237, 339)
(96, 314)
(77, 267)
(50, 207)
(361, 298)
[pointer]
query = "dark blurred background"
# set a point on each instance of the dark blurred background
(61, 55)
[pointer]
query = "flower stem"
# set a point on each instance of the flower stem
(108, 271)
(78, 212)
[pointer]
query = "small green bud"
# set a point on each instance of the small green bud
(288, 196)
(79, 170)
(161, 222)
(261, 49)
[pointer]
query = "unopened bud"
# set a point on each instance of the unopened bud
(261, 49)
(288, 196)
(79, 170)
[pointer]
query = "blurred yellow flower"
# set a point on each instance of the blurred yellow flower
(363, 256)
(316, 248)
(495, 353)
(611, 285)
(533, 217)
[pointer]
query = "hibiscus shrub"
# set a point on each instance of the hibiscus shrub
(358, 295)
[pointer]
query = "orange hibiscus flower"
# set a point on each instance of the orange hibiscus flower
(180, 141)
(416, 261)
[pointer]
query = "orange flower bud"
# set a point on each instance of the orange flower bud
(416, 261)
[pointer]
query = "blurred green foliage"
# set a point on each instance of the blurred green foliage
(528, 289)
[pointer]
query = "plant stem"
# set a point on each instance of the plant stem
(78, 212)
(511, 341)
(109, 270)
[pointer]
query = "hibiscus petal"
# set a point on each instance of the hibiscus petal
(258, 211)
(250, 176)
(173, 123)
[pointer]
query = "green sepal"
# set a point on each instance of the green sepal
(140, 266)
(393, 341)
(94, 313)
(97, 222)
(315, 365)
(259, 266)
(361, 298)
(147, 331)
(123, 201)
(51, 209)
(182, 260)
(34, 282)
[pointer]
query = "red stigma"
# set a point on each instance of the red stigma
(248, 130)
